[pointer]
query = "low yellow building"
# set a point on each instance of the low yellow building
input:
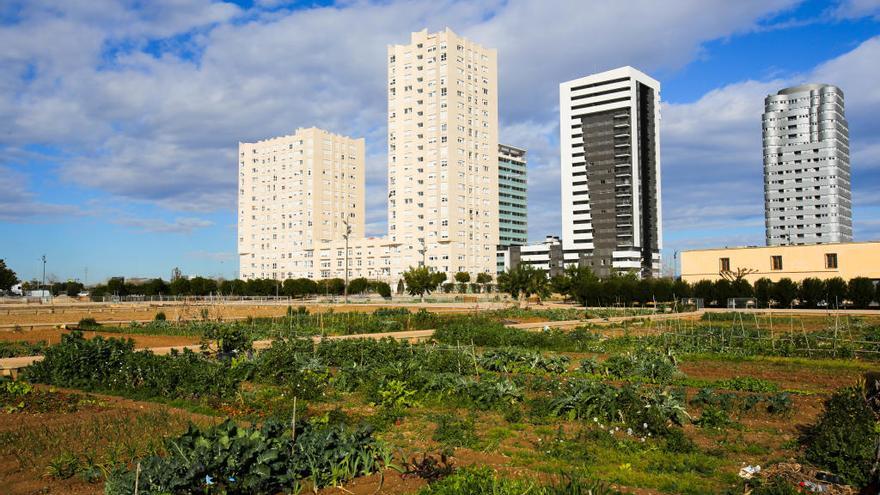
(847, 260)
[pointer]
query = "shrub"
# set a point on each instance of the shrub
(292, 363)
(453, 431)
(160, 316)
(227, 340)
(87, 323)
(844, 438)
(679, 443)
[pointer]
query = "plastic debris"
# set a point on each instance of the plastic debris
(749, 471)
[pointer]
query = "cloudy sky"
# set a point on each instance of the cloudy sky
(120, 120)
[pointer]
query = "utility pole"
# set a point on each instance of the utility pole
(346, 235)
(43, 287)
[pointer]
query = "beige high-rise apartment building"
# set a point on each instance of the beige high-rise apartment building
(442, 151)
(295, 194)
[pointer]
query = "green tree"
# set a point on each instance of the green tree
(560, 284)
(784, 292)
(358, 285)
(73, 288)
(835, 292)
(116, 286)
(484, 279)
(705, 290)
(861, 292)
(439, 278)
(741, 288)
(420, 281)
(664, 289)
(8, 278)
(332, 286)
(723, 292)
(201, 286)
(583, 284)
(299, 287)
(179, 287)
(462, 278)
(811, 291)
(524, 281)
(681, 289)
(155, 287)
(764, 291)
(382, 288)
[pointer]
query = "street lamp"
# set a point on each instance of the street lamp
(43, 287)
(346, 235)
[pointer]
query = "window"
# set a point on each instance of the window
(776, 262)
(831, 260)
(725, 264)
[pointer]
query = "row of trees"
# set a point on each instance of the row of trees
(420, 281)
(582, 285)
(200, 286)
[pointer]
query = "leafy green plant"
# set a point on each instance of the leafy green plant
(160, 316)
(748, 384)
(511, 359)
(714, 418)
(651, 365)
(484, 481)
(591, 366)
(113, 365)
(779, 404)
(230, 459)
(844, 438)
(63, 467)
(454, 431)
(394, 398)
(227, 341)
(22, 348)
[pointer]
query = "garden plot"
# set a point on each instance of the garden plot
(617, 412)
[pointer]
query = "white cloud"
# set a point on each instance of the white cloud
(177, 226)
(853, 9)
(146, 123)
(19, 204)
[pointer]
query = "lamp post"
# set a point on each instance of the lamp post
(43, 287)
(346, 235)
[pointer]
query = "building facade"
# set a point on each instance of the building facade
(610, 157)
(807, 196)
(545, 256)
(442, 152)
(797, 262)
(374, 258)
(513, 213)
(295, 194)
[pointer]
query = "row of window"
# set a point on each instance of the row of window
(776, 262)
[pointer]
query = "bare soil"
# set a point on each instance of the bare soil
(53, 336)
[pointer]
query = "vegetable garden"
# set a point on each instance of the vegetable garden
(677, 406)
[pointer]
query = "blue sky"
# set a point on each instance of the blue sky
(119, 120)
